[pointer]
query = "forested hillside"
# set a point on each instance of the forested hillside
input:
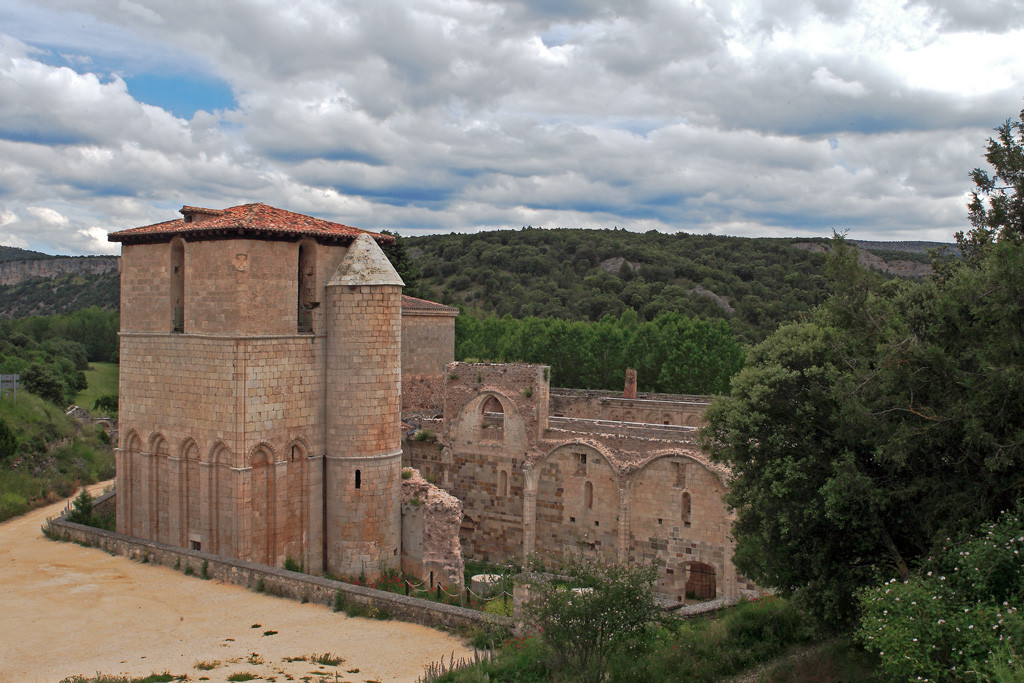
(62, 294)
(17, 254)
(753, 284)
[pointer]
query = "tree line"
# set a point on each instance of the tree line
(671, 354)
(51, 353)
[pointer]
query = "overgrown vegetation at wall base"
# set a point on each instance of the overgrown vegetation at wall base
(732, 642)
(671, 354)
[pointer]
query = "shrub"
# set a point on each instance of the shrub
(958, 616)
(292, 565)
(8, 442)
(407, 473)
(424, 435)
(586, 629)
(81, 511)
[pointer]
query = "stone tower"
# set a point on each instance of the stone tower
(363, 422)
(260, 389)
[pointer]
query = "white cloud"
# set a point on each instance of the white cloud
(745, 117)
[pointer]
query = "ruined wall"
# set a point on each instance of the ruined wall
(662, 409)
(428, 345)
(600, 487)
(431, 519)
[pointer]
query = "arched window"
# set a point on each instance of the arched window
(588, 495)
(177, 285)
(503, 483)
(492, 420)
(686, 509)
(306, 288)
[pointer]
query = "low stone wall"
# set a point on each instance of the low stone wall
(278, 582)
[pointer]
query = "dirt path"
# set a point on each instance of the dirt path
(67, 610)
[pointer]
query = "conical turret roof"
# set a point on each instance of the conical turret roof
(365, 264)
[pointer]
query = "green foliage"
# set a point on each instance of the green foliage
(891, 420)
(8, 442)
(293, 565)
(564, 273)
(64, 294)
(607, 614)
(958, 617)
(45, 383)
(405, 266)
(81, 511)
(997, 205)
(750, 634)
(51, 460)
(106, 404)
(671, 354)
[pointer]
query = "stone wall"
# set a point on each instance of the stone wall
(281, 582)
(659, 409)
(531, 484)
(431, 518)
(428, 345)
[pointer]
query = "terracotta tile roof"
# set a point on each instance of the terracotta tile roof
(245, 220)
(414, 304)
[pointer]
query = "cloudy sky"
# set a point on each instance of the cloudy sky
(780, 117)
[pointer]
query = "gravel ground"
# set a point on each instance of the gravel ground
(70, 610)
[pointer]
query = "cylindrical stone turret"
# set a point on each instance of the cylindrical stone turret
(363, 464)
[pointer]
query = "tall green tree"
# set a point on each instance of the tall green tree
(997, 204)
(890, 420)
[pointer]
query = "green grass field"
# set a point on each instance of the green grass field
(102, 378)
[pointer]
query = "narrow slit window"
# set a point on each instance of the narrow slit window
(588, 494)
(359, 479)
(177, 286)
(686, 509)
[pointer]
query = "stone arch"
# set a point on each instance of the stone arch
(191, 495)
(490, 417)
(158, 484)
(293, 496)
(577, 502)
(220, 496)
(263, 505)
(492, 420)
(133, 482)
(677, 517)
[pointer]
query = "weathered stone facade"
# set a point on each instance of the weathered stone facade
(267, 359)
(611, 477)
(260, 390)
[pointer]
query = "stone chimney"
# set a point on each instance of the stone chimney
(197, 214)
(630, 390)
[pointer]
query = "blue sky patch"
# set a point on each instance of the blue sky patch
(181, 94)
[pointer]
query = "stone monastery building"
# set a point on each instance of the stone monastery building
(274, 381)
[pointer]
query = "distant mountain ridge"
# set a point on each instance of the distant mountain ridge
(753, 283)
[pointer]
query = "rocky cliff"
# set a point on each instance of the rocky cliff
(16, 272)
